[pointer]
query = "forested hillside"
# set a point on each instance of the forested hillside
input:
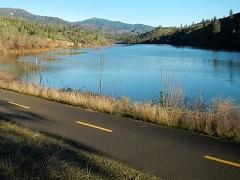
(113, 27)
(216, 33)
(151, 36)
(22, 34)
(97, 25)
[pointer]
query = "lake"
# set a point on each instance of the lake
(140, 72)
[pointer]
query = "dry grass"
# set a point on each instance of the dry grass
(219, 118)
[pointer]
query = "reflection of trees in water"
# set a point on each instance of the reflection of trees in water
(31, 68)
(27, 70)
(230, 68)
(56, 55)
(23, 69)
(7, 59)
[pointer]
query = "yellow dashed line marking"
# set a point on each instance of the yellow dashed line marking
(222, 161)
(96, 127)
(19, 105)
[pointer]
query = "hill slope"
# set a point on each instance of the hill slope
(95, 24)
(218, 34)
(24, 15)
(113, 26)
(16, 34)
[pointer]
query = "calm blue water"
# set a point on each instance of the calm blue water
(139, 71)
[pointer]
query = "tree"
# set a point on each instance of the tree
(203, 23)
(216, 26)
(231, 13)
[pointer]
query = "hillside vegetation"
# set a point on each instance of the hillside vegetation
(102, 26)
(216, 33)
(24, 15)
(113, 27)
(152, 36)
(18, 34)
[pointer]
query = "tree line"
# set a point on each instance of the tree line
(222, 33)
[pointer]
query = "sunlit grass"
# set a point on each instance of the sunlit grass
(219, 117)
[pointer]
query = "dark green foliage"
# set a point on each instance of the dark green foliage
(218, 34)
(231, 13)
(151, 36)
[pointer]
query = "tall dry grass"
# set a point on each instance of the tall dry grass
(172, 108)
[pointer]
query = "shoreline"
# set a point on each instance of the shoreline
(217, 119)
(15, 52)
(28, 51)
(188, 46)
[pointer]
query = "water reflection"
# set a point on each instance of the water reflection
(229, 70)
(23, 69)
(139, 72)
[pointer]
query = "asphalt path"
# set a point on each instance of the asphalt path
(164, 152)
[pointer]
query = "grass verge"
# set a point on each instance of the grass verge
(26, 154)
(218, 118)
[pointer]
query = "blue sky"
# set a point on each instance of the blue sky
(152, 12)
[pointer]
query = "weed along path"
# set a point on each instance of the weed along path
(164, 152)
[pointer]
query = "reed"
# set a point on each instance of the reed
(172, 108)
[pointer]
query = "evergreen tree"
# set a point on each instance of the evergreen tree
(216, 26)
(203, 23)
(231, 13)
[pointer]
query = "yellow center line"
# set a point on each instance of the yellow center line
(222, 161)
(96, 127)
(19, 105)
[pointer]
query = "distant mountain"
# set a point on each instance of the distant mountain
(113, 26)
(95, 24)
(24, 15)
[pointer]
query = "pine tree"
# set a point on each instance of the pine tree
(231, 13)
(216, 26)
(203, 23)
